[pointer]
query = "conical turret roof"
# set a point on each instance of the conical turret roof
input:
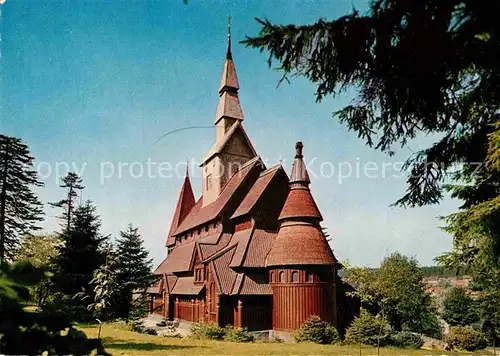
(300, 240)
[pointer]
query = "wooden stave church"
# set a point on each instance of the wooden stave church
(250, 252)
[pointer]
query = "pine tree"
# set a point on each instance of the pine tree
(73, 183)
(20, 209)
(133, 269)
(79, 256)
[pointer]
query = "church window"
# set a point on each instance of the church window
(309, 277)
(295, 277)
(282, 277)
(199, 231)
(272, 276)
(209, 182)
(206, 228)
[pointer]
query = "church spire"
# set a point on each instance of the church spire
(229, 81)
(229, 106)
(184, 205)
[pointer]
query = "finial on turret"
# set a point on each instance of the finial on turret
(298, 149)
(229, 54)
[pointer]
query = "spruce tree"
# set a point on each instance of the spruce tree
(79, 256)
(73, 183)
(133, 269)
(20, 209)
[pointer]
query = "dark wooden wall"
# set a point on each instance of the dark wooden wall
(295, 302)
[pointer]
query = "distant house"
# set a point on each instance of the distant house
(250, 250)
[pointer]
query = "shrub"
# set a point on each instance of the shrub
(466, 338)
(237, 334)
(150, 331)
(367, 329)
(318, 331)
(210, 331)
(405, 339)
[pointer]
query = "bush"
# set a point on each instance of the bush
(317, 331)
(237, 334)
(466, 338)
(209, 331)
(366, 329)
(405, 339)
(138, 327)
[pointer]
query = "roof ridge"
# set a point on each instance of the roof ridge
(271, 169)
(242, 167)
(217, 147)
(220, 253)
(199, 242)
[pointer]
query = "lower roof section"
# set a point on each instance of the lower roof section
(178, 260)
(186, 286)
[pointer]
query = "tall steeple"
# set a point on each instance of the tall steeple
(232, 146)
(184, 205)
(229, 108)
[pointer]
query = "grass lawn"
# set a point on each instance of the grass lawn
(123, 342)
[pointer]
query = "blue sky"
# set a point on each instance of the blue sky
(96, 83)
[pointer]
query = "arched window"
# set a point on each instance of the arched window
(282, 277)
(295, 277)
(272, 277)
(309, 277)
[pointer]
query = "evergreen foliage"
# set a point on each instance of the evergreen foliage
(210, 331)
(133, 270)
(20, 209)
(368, 330)
(459, 308)
(237, 334)
(79, 255)
(318, 331)
(489, 309)
(73, 183)
(35, 333)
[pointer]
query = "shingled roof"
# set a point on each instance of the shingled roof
(258, 248)
(224, 275)
(186, 286)
(200, 214)
(178, 260)
(300, 240)
(207, 250)
(185, 203)
(256, 191)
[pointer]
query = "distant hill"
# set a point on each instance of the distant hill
(437, 271)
